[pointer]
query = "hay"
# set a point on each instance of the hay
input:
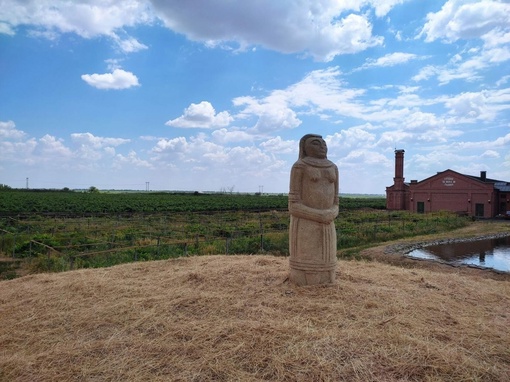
(220, 318)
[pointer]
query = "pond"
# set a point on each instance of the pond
(489, 253)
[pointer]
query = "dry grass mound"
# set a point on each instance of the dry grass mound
(224, 318)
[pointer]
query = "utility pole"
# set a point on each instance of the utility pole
(27, 183)
(261, 190)
(147, 186)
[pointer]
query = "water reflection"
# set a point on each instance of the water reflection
(490, 253)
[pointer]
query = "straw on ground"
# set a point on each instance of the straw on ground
(221, 318)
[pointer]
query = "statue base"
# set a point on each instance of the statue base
(312, 277)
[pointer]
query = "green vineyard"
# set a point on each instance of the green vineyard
(49, 231)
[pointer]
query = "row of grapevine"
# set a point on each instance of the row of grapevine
(52, 243)
(42, 202)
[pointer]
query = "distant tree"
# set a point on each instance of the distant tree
(4, 187)
(66, 189)
(93, 189)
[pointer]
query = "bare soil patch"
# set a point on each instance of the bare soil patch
(226, 318)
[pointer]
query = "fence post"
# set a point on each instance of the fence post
(261, 233)
(14, 247)
(112, 241)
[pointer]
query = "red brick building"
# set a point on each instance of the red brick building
(448, 190)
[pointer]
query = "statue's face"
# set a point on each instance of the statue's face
(316, 147)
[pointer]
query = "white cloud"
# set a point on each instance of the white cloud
(460, 19)
(113, 63)
(321, 28)
(425, 73)
(228, 136)
(469, 67)
(86, 18)
(359, 156)
(383, 7)
(277, 146)
(490, 154)
(487, 21)
(216, 165)
(50, 146)
(130, 45)
(132, 159)
(319, 92)
(118, 79)
(506, 163)
(394, 138)
(350, 138)
(6, 28)
(502, 141)
(469, 106)
(170, 145)
(498, 143)
(272, 112)
(273, 117)
(322, 93)
(201, 115)
(18, 151)
(496, 37)
(8, 131)
(390, 59)
(88, 139)
(92, 148)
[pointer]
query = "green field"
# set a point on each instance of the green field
(45, 231)
(75, 203)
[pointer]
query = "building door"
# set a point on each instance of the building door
(479, 210)
(420, 207)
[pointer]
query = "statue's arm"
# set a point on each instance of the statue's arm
(300, 210)
(321, 216)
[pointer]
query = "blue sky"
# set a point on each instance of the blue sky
(211, 95)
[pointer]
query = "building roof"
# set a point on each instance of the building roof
(502, 186)
(499, 184)
(486, 180)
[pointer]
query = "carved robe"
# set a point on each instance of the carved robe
(313, 205)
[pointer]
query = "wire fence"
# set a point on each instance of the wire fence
(62, 242)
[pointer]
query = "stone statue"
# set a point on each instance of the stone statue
(313, 207)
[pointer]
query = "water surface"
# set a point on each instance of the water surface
(489, 253)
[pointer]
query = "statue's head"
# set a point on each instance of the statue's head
(312, 145)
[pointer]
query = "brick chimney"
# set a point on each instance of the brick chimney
(398, 180)
(483, 176)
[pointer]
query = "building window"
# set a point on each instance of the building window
(420, 207)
